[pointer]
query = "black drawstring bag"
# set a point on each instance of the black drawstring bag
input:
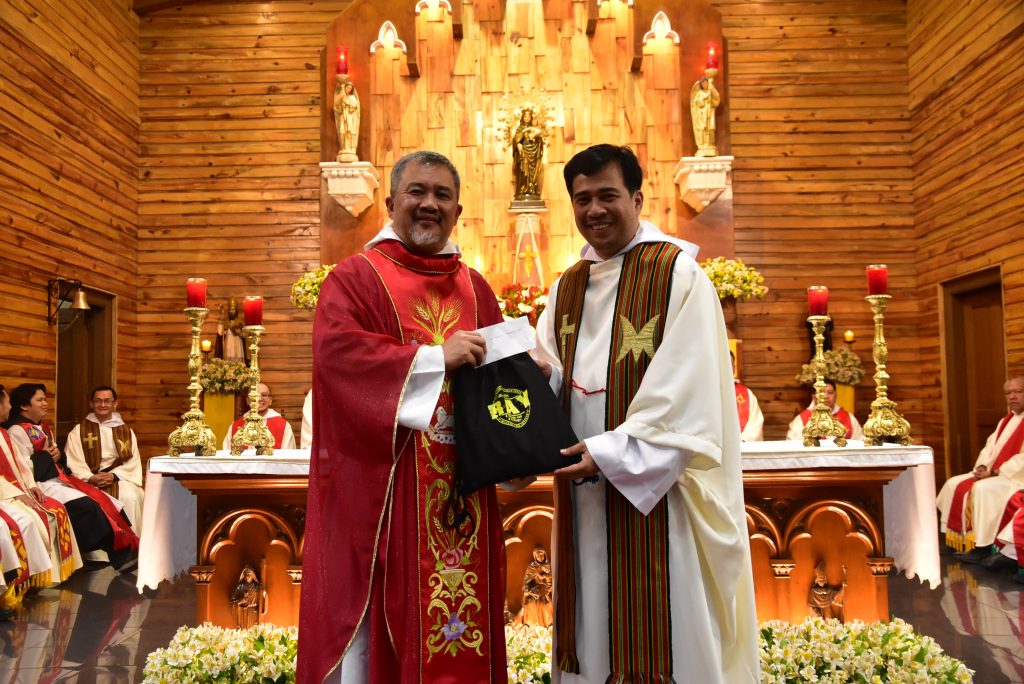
(508, 424)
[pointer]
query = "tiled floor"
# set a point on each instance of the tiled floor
(97, 629)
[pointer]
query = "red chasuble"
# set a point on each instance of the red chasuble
(743, 404)
(955, 521)
(842, 415)
(275, 424)
(377, 551)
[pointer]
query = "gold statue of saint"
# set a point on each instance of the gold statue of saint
(346, 114)
(704, 99)
(537, 608)
(527, 156)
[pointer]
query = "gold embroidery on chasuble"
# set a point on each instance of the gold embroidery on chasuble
(635, 342)
(452, 567)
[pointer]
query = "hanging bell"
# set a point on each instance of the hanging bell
(79, 301)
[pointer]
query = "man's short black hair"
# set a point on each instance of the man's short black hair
(102, 388)
(593, 159)
(21, 395)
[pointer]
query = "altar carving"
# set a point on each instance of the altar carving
(823, 599)
(537, 606)
(247, 599)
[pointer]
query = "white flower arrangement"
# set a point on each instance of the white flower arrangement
(263, 654)
(733, 278)
(228, 377)
(306, 290)
(528, 649)
(818, 650)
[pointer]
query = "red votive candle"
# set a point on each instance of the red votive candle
(817, 300)
(878, 279)
(195, 292)
(712, 61)
(252, 307)
(342, 60)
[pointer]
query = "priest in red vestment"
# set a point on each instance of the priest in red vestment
(281, 429)
(971, 505)
(1010, 539)
(402, 580)
(849, 421)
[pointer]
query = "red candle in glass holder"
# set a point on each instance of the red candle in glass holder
(817, 300)
(342, 60)
(712, 61)
(195, 292)
(878, 279)
(252, 307)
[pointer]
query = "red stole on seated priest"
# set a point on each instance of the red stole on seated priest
(955, 521)
(742, 403)
(49, 506)
(638, 571)
(275, 424)
(842, 415)
(19, 546)
(124, 538)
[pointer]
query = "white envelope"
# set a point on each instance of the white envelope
(508, 339)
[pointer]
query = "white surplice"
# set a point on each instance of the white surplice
(129, 473)
(680, 440)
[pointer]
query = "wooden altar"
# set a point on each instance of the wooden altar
(832, 511)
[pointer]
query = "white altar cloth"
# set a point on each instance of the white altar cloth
(168, 545)
(911, 519)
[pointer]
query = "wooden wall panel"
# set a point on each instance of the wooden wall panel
(966, 74)
(823, 186)
(229, 186)
(69, 127)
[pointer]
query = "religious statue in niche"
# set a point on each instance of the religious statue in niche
(704, 99)
(825, 600)
(528, 157)
(537, 608)
(247, 599)
(346, 114)
(230, 339)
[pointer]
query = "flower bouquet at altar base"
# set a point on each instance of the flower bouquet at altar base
(523, 300)
(263, 654)
(306, 290)
(227, 377)
(841, 366)
(528, 649)
(733, 278)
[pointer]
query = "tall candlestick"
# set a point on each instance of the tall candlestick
(342, 60)
(817, 300)
(195, 293)
(193, 433)
(254, 431)
(252, 307)
(821, 424)
(878, 279)
(885, 423)
(712, 60)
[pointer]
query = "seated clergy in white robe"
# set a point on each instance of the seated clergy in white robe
(284, 437)
(103, 451)
(306, 433)
(749, 411)
(971, 505)
(24, 525)
(849, 421)
(636, 341)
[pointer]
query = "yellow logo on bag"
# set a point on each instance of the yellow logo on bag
(511, 406)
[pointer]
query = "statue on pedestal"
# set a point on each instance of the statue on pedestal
(346, 114)
(231, 341)
(528, 156)
(704, 99)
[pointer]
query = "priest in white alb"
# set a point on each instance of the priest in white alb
(103, 451)
(636, 341)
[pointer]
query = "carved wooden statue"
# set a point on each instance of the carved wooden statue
(537, 608)
(346, 114)
(824, 600)
(246, 599)
(704, 99)
(528, 157)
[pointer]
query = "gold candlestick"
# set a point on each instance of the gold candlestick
(193, 434)
(885, 420)
(254, 432)
(822, 424)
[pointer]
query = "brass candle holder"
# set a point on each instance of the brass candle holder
(822, 424)
(254, 431)
(884, 421)
(193, 434)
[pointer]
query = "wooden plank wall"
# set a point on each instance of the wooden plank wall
(966, 71)
(823, 185)
(229, 186)
(69, 120)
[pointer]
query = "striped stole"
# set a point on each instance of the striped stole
(640, 639)
(92, 447)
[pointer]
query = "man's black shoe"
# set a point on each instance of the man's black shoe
(974, 556)
(997, 562)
